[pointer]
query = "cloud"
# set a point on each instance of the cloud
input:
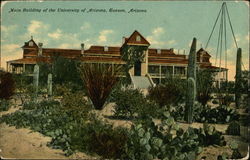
(104, 34)
(10, 52)
(7, 29)
(9, 48)
(85, 26)
(36, 26)
(55, 35)
(158, 31)
(156, 39)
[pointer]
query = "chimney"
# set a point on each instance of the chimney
(40, 49)
(82, 48)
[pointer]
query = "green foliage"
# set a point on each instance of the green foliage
(44, 70)
(99, 79)
(157, 141)
(171, 92)
(75, 104)
(4, 105)
(227, 87)
(233, 128)
(208, 135)
(7, 85)
(127, 102)
(132, 54)
(30, 105)
(227, 99)
(65, 71)
(101, 138)
(221, 114)
(236, 154)
(205, 79)
(131, 103)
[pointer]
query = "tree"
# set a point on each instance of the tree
(205, 79)
(99, 79)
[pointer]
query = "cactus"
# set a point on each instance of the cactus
(238, 79)
(191, 83)
(49, 84)
(36, 78)
(233, 128)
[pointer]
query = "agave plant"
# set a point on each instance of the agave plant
(99, 79)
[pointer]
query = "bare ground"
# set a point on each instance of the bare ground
(23, 143)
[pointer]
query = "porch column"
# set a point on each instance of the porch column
(173, 70)
(160, 75)
(23, 67)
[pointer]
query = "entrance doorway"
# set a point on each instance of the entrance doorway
(137, 68)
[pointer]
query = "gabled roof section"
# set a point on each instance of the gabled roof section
(202, 51)
(136, 39)
(26, 44)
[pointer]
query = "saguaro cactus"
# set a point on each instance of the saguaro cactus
(191, 83)
(238, 77)
(36, 78)
(49, 84)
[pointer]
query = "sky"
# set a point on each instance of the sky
(165, 24)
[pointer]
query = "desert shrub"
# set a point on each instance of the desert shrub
(30, 105)
(203, 113)
(171, 92)
(204, 81)
(208, 135)
(226, 100)
(127, 102)
(221, 114)
(178, 111)
(75, 104)
(4, 105)
(233, 128)
(236, 154)
(215, 101)
(131, 103)
(99, 79)
(151, 141)
(7, 85)
(101, 138)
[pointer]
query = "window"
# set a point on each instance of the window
(138, 38)
(179, 70)
(31, 43)
(158, 51)
(167, 70)
(106, 48)
(154, 69)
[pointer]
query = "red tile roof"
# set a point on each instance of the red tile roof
(68, 53)
(132, 39)
(100, 50)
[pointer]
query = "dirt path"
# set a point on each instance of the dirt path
(25, 144)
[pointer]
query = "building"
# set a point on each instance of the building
(158, 63)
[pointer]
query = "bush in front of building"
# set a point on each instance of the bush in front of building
(131, 103)
(7, 85)
(169, 93)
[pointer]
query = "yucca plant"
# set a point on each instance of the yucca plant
(99, 79)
